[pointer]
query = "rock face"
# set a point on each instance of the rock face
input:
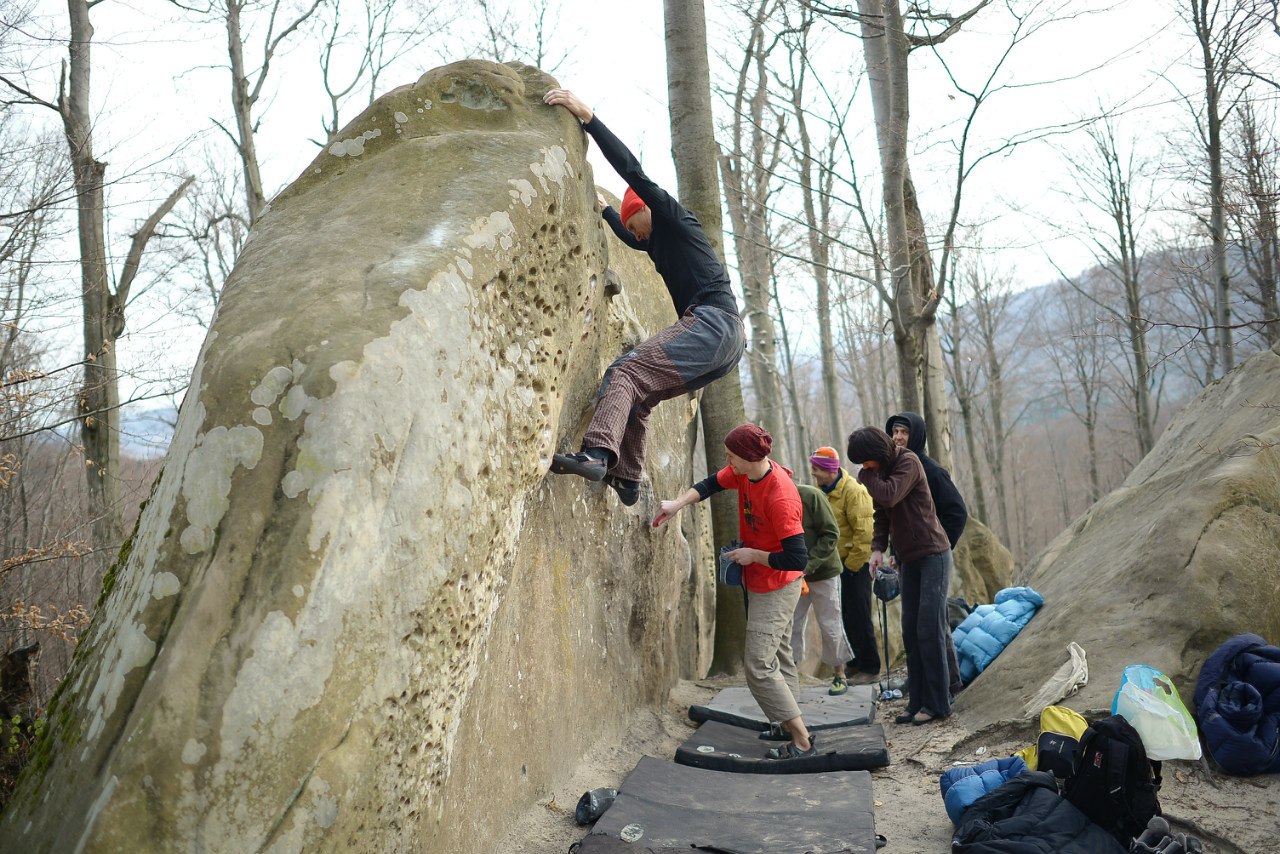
(1185, 554)
(983, 565)
(355, 608)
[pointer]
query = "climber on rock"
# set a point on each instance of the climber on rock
(702, 346)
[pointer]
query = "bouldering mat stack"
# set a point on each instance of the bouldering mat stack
(732, 723)
(819, 709)
(663, 806)
(721, 747)
(723, 795)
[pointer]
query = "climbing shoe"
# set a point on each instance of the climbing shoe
(583, 464)
(838, 686)
(628, 490)
(790, 751)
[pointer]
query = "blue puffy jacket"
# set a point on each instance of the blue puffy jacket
(987, 631)
(1238, 705)
(964, 785)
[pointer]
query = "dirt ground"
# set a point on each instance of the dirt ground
(1231, 815)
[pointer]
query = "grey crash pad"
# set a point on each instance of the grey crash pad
(664, 805)
(819, 709)
(724, 747)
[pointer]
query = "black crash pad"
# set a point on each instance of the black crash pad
(664, 805)
(601, 844)
(724, 747)
(819, 709)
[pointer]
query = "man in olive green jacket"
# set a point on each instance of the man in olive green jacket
(854, 512)
(822, 575)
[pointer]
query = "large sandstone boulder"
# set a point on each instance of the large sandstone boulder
(983, 566)
(356, 615)
(1183, 555)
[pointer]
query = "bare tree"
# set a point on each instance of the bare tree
(204, 239)
(1252, 196)
(103, 305)
(354, 55)
(249, 61)
(915, 290)
(816, 171)
(964, 373)
(986, 337)
(1107, 178)
(530, 32)
(1223, 31)
(694, 148)
(747, 167)
(1077, 362)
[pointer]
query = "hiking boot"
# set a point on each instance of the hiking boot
(864, 677)
(592, 466)
(628, 490)
(1157, 830)
(790, 751)
(838, 686)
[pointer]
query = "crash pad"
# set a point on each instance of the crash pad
(819, 709)
(724, 747)
(664, 805)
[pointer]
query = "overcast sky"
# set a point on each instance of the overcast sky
(159, 81)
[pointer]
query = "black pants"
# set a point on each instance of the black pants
(925, 631)
(855, 610)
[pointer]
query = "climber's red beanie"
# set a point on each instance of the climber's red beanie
(631, 205)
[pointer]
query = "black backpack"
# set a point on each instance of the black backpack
(1113, 782)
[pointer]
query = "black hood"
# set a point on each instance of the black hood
(915, 423)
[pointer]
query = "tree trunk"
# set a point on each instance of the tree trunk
(1141, 366)
(998, 444)
(817, 214)
(693, 148)
(750, 244)
(936, 413)
(1260, 160)
(1204, 26)
(964, 392)
(1091, 436)
(103, 321)
(914, 293)
(242, 103)
(799, 462)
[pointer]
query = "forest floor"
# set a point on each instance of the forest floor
(1231, 815)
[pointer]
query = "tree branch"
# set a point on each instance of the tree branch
(134, 259)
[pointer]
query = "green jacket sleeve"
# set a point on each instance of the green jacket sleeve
(821, 535)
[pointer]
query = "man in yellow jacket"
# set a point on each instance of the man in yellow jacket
(854, 513)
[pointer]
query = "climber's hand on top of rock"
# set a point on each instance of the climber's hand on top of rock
(604, 203)
(571, 102)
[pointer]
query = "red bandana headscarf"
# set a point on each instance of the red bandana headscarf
(750, 442)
